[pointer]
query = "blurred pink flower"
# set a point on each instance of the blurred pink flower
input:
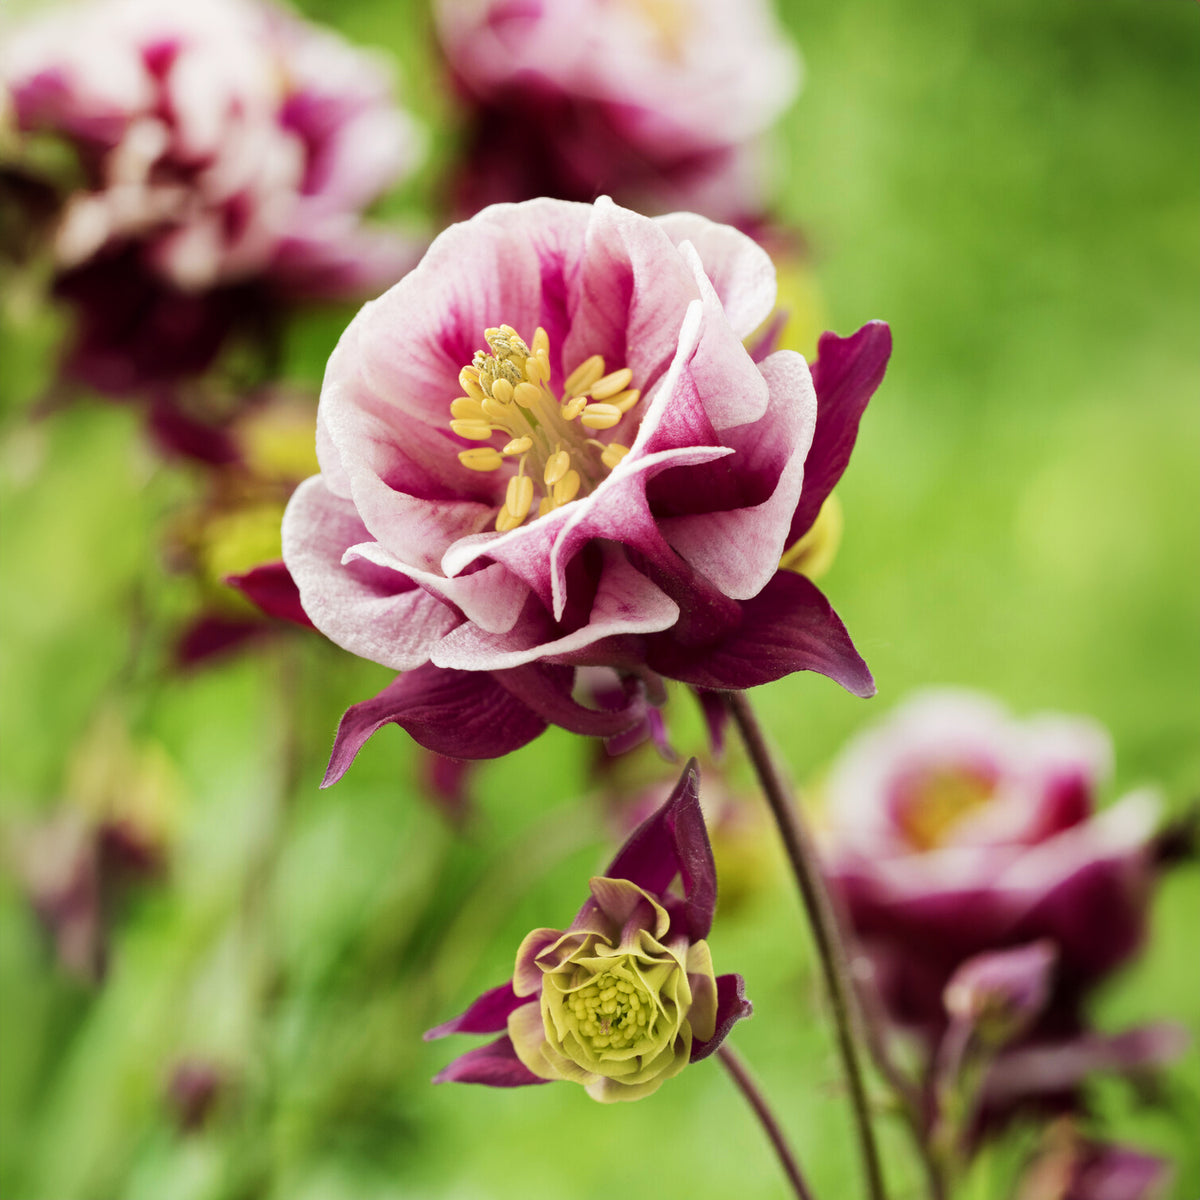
(985, 889)
(673, 471)
(229, 151)
(654, 102)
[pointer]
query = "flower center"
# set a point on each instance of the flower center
(506, 395)
(930, 805)
(612, 1011)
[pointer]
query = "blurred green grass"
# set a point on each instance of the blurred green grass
(1014, 186)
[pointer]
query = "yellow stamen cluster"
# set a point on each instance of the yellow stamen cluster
(612, 1013)
(506, 393)
(939, 801)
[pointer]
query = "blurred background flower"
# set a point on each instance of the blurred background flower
(1011, 183)
(223, 154)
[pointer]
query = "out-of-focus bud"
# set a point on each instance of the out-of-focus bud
(1002, 993)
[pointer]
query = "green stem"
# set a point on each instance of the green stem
(732, 1062)
(831, 953)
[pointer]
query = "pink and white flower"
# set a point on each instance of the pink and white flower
(229, 151)
(547, 448)
(987, 891)
(655, 102)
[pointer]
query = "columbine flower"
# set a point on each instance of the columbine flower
(546, 448)
(625, 997)
(229, 151)
(655, 102)
(983, 886)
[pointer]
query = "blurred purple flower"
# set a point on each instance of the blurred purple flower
(229, 151)
(625, 997)
(1071, 1168)
(193, 1090)
(654, 102)
(673, 470)
(982, 885)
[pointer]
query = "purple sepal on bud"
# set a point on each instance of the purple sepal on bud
(626, 996)
(1001, 994)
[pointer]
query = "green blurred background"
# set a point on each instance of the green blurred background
(1014, 185)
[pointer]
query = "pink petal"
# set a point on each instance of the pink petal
(741, 271)
(367, 610)
(739, 550)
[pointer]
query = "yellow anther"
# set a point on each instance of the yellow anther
(506, 521)
(600, 416)
(625, 400)
(518, 446)
(584, 375)
(466, 409)
(557, 465)
(494, 410)
(468, 379)
(474, 431)
(545, 505)
(573, 407)
(480, 458)
(610, 385)
(613, 453)
(526, 394)
(541, 341)
(503, 391)
(537, 369)
(567, 488)
(519, 496)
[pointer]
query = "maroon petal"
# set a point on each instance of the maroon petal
(789, 626)
(716, 717)
(271, 587)
(461, 714)
(495, 1065)
(488, 1014)
(546, 690)
(846, 373)
(732, 1007)
(1056, 1067)
(211, 635)
(674, 842)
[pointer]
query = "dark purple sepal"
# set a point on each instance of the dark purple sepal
(211, 636)
(176, 434)
(789, 626)
(545, 688)
(716, 717)
(488, 1014)
(495, 1065)
(845, 375)
(271, 588)
(461, 714)
(673, 842)
(732, 1007)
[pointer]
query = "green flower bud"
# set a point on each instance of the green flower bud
(621, 997)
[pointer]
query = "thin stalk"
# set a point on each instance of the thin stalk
(741, 1076)
(831, 953)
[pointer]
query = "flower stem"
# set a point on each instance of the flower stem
(741, 1076)
(831, 953)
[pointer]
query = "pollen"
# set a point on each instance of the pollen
(612, 1012)
(506, 397)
